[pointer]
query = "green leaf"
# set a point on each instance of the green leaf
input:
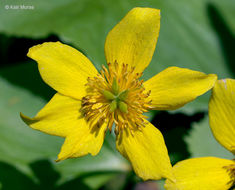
(20, 146)
(189, 37)
(201, 142)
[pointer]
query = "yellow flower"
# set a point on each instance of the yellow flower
(88, 103)
(211, 173)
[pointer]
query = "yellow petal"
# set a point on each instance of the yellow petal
(147, 152)
(222, 113)
(82, 141)
(174, 87)
(63, 68)
(58, 117)
(206, 173)
(132, 41)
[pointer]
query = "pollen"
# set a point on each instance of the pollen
(116, 96)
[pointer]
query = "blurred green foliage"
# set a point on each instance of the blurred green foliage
(197, 34)
(208, 147)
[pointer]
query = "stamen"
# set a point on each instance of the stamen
(116, 96)
(231, 170)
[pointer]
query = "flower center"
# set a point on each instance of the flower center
(116, 95)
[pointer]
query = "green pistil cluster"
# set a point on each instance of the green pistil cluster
(117, 99)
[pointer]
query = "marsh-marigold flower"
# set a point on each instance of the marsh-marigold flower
(89, 103)
(211, 173)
